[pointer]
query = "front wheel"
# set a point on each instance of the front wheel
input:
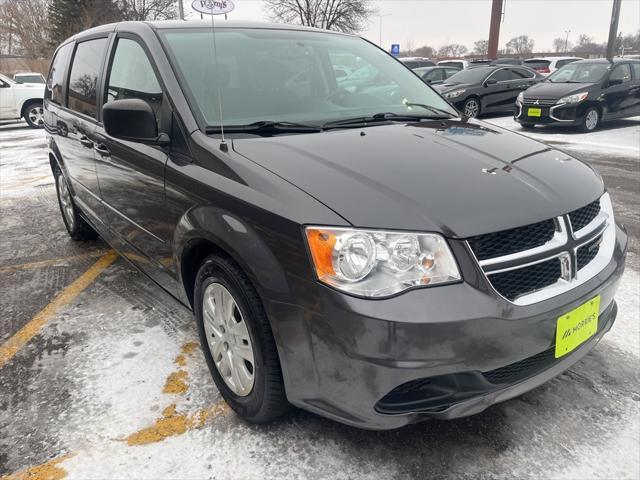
(472, 107)
(77, 226)
(237, 341)
(591, 120)
(34, 114)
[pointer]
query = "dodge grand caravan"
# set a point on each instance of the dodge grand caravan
(366, 253)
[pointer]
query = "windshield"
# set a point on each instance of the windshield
(292, 76)
(579, 73)
(29, 79)
(471, 75)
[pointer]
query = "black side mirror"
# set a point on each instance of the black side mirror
(132, 120)
(490, 81)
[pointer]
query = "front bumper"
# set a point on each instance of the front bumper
(559, 115)
(342, 355)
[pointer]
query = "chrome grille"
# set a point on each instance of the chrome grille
(531, 263)
(538, 101)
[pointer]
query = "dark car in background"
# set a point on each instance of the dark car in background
(487, 88)
(365, 254)
(435, 75)
(584, 93)
(417, 62)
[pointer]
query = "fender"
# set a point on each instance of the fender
(234, 237)
(22, 103)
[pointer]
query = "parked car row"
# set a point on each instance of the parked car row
(19, 100)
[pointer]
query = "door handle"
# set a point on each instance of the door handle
(102, 150)
(85, 142)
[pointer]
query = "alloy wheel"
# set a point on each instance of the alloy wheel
(65, 201)
(471, 108)
(228, 339)
(591, 121)
(36, 115)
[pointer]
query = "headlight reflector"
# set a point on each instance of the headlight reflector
(520, 98)
(454, 93)
(374, 263)
(575, 98)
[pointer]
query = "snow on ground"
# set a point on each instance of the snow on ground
(99, 393)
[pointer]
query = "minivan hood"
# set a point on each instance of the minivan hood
(454, 177)
(556, 91)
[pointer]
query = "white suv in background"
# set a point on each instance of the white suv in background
(19, 100)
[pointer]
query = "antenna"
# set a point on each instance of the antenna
(215, 7)
(223, 143)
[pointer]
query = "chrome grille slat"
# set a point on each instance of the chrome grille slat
(554, 266)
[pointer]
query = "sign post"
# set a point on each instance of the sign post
(213, 8)
(395, 49)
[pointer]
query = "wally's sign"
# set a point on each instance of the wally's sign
(213, 7)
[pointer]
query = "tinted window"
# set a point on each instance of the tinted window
(471, 75)
(450, 71)
(621, 72)
(29, 79)
(535, 64)
(457, 65)
(132, 76)
(433, 75)
(55, 80)
(636, 70)
(288, 75)
(502, 75)
(83, 80)
(522, 73)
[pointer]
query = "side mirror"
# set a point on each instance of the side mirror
(490, 81)
(615, 81)
(132, 120)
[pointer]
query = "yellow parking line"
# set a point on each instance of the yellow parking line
(53, 261)
(46, 471)
(31, 329)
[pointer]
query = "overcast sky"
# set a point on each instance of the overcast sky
(438, 22)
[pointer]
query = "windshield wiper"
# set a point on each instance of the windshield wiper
(384, 117)
(265, 126)
(431, 108)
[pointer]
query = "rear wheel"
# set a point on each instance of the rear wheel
(237, 342)
(471, 107)
(591, 120)
(77, 226)
(34, 114)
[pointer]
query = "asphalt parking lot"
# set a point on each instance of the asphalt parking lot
(101, 375)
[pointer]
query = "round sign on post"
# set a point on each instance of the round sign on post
(213, 7)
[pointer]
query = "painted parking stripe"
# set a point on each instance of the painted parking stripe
(50, 262)
(31, 329)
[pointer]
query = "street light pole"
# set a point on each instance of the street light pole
(181, 10)
(613, 28)
(566, 40)
(380, 17)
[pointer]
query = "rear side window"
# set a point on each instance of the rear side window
(83, 80)
(54, 91)
(502, 75)
(636, 70)
(522, 73)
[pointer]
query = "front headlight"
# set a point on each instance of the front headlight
(520, 97)
(454, 94)
(373, 263)
(575, 98)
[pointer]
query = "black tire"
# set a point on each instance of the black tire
(528, 126)
(468, 108)
(34, 120)
(77, 226)
(267, 399)
(587, 124)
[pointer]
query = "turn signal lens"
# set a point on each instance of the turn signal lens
(374, 263)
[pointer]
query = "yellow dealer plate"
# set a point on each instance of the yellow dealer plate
(534, 112)
(575, 327)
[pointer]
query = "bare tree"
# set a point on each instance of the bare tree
(424, 51)
(520, 45)
(341, 15)
(586, 44)
(22, 22)
(481, 47)
(452, 50)
(561, 45)
(147, 9)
